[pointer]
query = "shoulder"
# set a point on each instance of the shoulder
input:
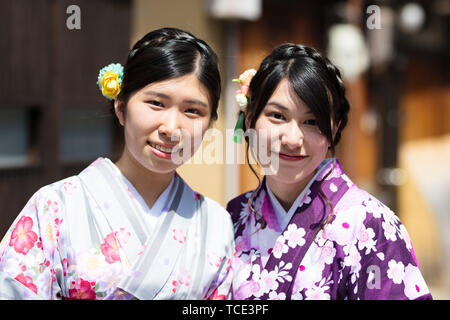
(360, 216)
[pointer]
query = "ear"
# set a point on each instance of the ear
(119, 110)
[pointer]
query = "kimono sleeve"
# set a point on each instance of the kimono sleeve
(29, 256)
(221, 287)
(388, 268)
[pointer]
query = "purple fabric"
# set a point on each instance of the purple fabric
(363, 252)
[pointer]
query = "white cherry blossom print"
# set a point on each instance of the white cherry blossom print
(389, 230)
(317, 293)
(306, 199)
(347, 225)
(352, 258)
(310, 270)
(279, 247)
(294, 236)
(269, 281)
(277, 296)
(396, 271)
(91, 264)
(365, 240)
(405, 236)
(333, 187)
(415, 285)
(328, 252)
(373, 207)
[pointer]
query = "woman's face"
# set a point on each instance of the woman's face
(292, 136)
(165, 121)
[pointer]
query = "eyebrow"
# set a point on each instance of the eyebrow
(165, 96)
(280, 106)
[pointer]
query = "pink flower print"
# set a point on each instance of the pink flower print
(183, 279)
(365, 238)
(280, 247)
(175, 286)
(96, 162)
(352, 258)
(178, 235)
(214, 259)
(317, 293)
(256, 288)
(373, 208)
(328, 252)
(306, 198)
(130, 194)
(217, 296)
(389, 230)
(51, 206)
(294, 236)
(82, 290)
(65, 266)
(113, 242)
(27, 282)
(396, 271)
(22, 237)
(69, 187)
(269, 280)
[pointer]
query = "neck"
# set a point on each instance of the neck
(148, 183)
(286, 193)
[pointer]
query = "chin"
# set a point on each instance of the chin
(292, 178)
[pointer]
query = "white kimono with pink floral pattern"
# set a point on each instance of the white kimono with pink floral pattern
(92, 236)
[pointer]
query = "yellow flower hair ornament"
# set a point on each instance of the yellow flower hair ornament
(110, 80)
(242, 100)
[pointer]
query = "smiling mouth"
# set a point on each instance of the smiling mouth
(162, 148)
(289, 157)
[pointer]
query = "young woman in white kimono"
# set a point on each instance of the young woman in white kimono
(132, 229)
(307, 231)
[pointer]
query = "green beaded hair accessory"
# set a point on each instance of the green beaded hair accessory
(242, 100)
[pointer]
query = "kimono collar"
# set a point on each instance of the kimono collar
(283, 216)
(158, 206)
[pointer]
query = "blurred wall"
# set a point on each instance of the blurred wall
(191, 16)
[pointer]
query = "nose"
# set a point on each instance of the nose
(292, 136)
(169, 126)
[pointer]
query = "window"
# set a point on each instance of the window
(86, 133)
(13, 136)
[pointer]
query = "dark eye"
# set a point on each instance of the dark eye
(276, 115)
(311, 122)
(193, 111)
(155, 103)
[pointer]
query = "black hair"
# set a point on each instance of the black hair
(315, 80)
(168, 53)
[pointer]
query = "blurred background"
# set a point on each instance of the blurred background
(393, 56)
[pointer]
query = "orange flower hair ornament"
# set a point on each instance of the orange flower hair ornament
(242, 100)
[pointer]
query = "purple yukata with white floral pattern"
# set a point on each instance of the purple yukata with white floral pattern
(363, 252)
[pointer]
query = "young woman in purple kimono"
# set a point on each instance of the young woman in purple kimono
(307, 231)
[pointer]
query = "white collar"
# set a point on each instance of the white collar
(284, 217)
(158, 206)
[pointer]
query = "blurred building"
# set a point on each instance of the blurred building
(393, 55)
